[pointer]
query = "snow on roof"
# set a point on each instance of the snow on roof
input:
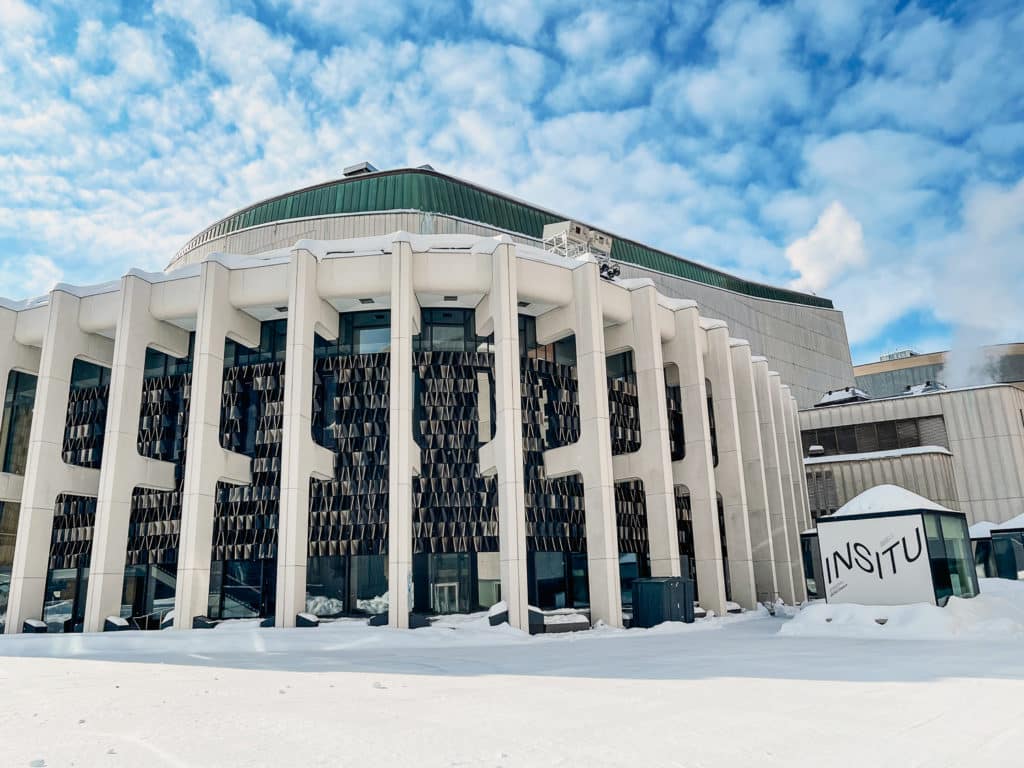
(895, 453)
(885, 498)
(981, 529)
(843, 395)
(1012, 524)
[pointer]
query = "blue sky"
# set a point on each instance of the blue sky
(869, 152)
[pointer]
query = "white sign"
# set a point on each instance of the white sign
(876, 561)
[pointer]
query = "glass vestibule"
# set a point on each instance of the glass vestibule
(558, 580)
(64, 599)
(1008, 554)
(952, 560)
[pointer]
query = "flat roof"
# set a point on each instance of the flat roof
(428, 191)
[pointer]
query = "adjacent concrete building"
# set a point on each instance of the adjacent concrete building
(402, 423)
(963, 448)
(896, 372)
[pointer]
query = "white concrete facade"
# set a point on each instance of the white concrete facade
(226, 297)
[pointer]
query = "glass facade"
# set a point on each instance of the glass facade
(19, 400)
(64, 599)
(952, 560)
(1008, 554)
(557, 580)
(243, 572)
(154, 527)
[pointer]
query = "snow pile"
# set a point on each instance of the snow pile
(886, 498)
(378, 604)
(997, 613)
(321, 605)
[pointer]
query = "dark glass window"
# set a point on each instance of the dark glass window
(159, 364)
(369, 584)
(327, 586)
(632, 566)
(620, 367)
(449, 330)
(273, 343)
(242, 589)
(19, 401)
(359, 333)
(846, 440)
(558, 580)
(64, 600)
(148, 594)
(86, 375)
(711, 423)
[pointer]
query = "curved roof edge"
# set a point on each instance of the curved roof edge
(428, 191)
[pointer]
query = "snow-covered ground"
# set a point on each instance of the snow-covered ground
(738, 691)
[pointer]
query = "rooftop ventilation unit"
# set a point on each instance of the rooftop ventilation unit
(842, 397)
(899, 354)
(572, 240)
(359, 169)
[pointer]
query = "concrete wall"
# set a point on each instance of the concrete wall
(985, 426)
(807, 345)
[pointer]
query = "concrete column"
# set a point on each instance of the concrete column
(652, 463)
(591, 456)
(301, 456)
(14, 356)
(403, 452)
(46, 474)
(786, 475)
(498, 313)
(123, 468)
(794, 523)
(759, 524)
(773, 479)
(207, 462)
(805, 501)
(696, 470)
(729, 472)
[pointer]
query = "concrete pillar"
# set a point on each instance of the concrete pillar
(779, 393)
(207, 462)
(14, 356)
(696, 470)
(759, 524)
(794, 523)
(123, 469)
(591, 455)
(729, 472)
(403, 452)
(773, 479)
(498, 313)
(46, 474)
(652, 463)
(805, 501)
(301, 456)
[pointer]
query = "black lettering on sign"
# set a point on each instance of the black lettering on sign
(863, 556)
(920, 546)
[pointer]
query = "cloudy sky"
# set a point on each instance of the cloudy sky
(872, 153)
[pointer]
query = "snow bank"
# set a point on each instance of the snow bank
(886, 498)
(997, 613)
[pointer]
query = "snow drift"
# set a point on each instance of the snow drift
(997, 613)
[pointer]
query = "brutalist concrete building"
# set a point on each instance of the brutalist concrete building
(402, 393)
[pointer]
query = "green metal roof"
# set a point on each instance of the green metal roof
(428, 191)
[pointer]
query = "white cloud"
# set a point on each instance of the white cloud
(835, 245)
(29, 276)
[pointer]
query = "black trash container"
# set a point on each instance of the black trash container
(657, 600)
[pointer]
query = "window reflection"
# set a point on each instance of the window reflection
(19, 401)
